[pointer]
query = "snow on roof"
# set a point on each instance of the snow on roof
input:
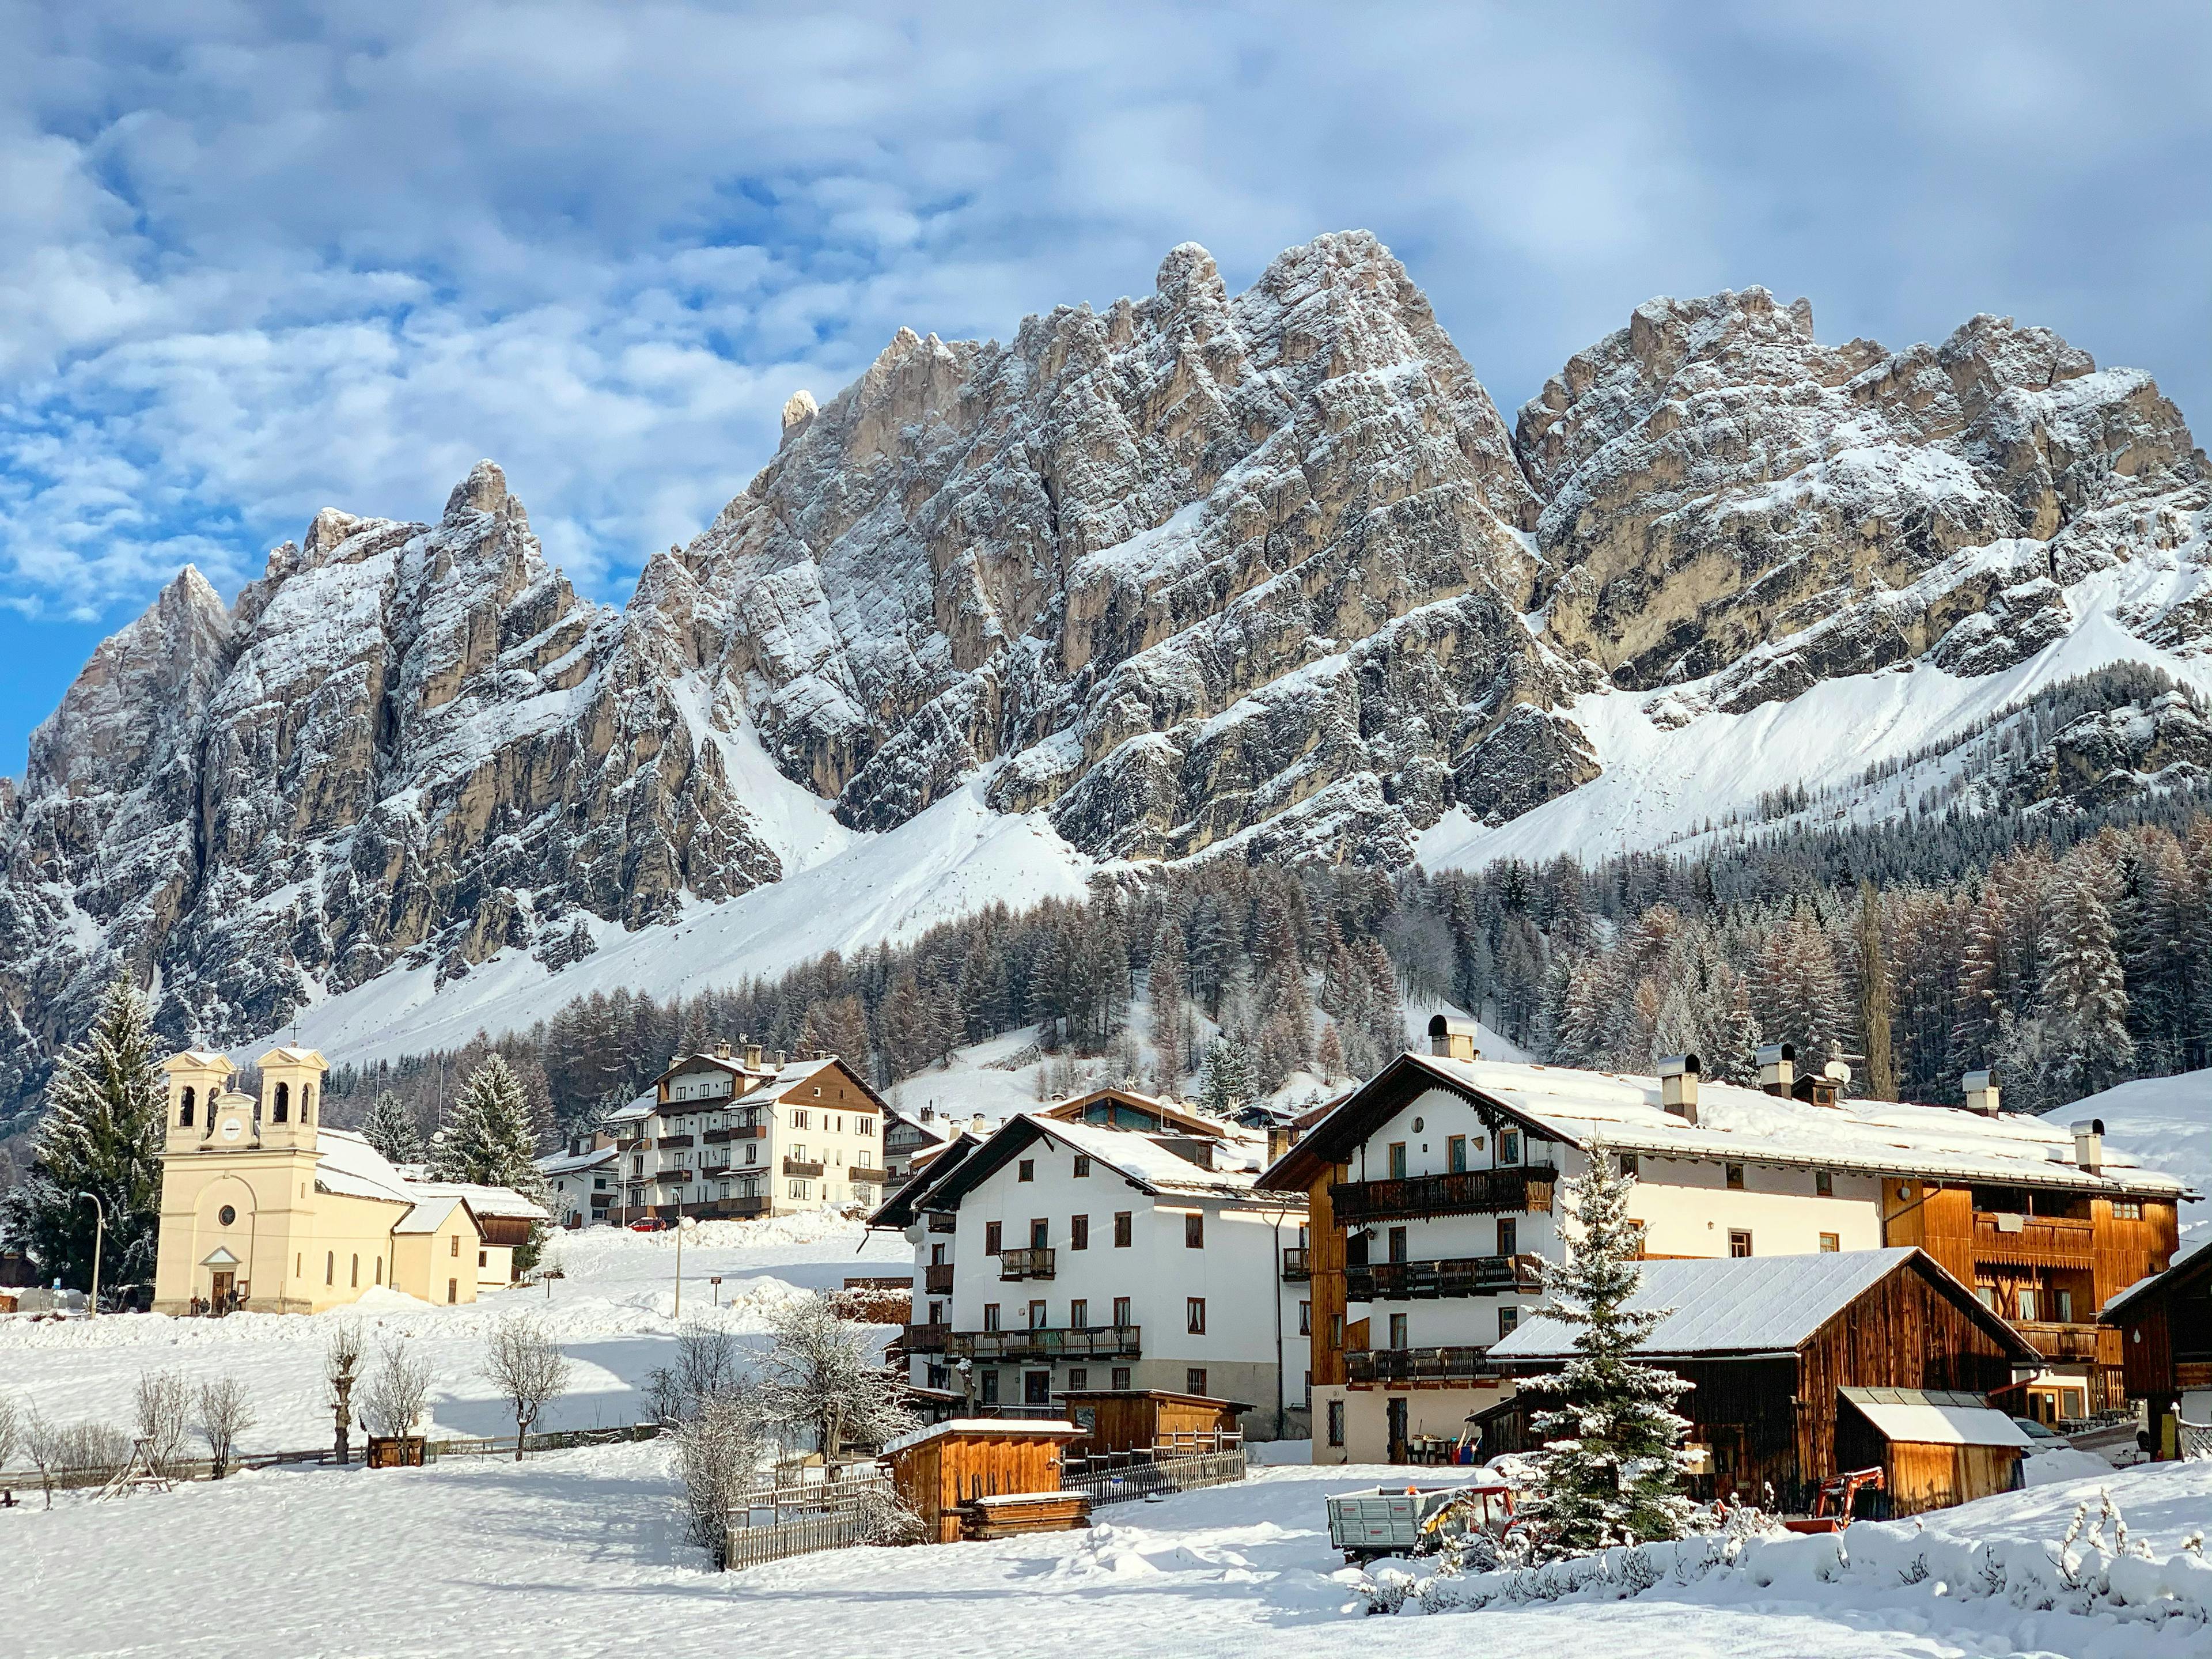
(1146, 1160)
(1874, 1135)
(992, 1426)
(1931, 1416)
(484, 1200)
(427, 1216)
(641, 1107)
(346, 1164)
(562, 1163)
(1730, 1304)
(2178, 1265)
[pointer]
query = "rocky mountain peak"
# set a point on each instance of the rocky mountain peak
(484, 490)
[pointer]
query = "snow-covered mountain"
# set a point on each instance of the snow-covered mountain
(1265, 576)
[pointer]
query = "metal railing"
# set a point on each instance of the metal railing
(1087, 1342)
(1466, 1192)
(1036, 1262)
(1122, 1477)
(1465, 1275)
(1416, 1364)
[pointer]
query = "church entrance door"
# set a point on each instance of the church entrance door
(225, 1282)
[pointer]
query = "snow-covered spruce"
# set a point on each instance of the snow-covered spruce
(1611, 1469)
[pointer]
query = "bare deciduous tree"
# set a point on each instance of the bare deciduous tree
(11, 1430)
(393, 1400)
(223, 1416)
(163, 1406)
(719, 1448)
(60, 1451)
(822, 1382)
(706, 1367)
(341, 1370)
(527, 1367)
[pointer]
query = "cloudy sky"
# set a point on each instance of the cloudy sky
(259, 258)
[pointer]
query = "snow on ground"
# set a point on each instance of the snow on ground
(579, 1553)
(2166, 1123)
(952, 859)
(1672, 763)
(613, 1314)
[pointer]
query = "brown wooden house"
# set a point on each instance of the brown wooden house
(2163, 1327)
(1776, 1349)
(1144, 1419)
(940, 1469)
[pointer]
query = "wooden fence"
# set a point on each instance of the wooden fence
(801, 1518)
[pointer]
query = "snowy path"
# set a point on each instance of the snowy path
(577, 1553)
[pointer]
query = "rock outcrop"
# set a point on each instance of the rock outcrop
(1263, 575)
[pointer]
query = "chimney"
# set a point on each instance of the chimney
(1678, 1085)
(2089, 1145)
(1777, 1067)
(753, 1056)
(1453, 1039)
(721, 1051)
(775, 1059)
(1981, 1093)
(1281, 1137)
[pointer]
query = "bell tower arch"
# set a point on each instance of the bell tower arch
(197, 1077)
(291, 1097)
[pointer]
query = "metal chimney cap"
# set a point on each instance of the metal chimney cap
(2095, 1125)
(1982, 1079)
(1771, 1053)
(1680, 1066)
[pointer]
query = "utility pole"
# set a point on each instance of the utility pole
(99, 1239)
(684, 1223)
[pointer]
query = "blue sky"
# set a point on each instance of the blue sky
(256, 259)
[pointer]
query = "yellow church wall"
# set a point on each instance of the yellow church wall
(298, 1251)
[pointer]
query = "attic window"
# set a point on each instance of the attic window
(1736, 1177)
(1027, 1169)
(1083, 1168)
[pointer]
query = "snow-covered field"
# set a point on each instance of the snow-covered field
(579, 1553)
(2166, 1123)
(614, 1316)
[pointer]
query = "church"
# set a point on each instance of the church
(264, 1209)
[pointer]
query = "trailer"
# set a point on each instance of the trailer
(1414, 1519)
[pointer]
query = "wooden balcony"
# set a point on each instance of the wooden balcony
(1298, 1263)
(1373, 1365)
(1039, 1262)
(937, 1278)
(1520, 1188)
(2055, 1342)
(742, 1131)
(941, 1221)
(859, 1176)
(679, 1175)
(794, 1166)
(1090, 1342)
(928, 1339)
(1463, 1275)
(2034, 1241)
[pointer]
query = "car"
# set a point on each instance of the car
(2041, 1437)
(651, 1223)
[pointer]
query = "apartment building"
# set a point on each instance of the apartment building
(739, 1134)
(581, 1179)
(1435, 1192)
(1061, 1253)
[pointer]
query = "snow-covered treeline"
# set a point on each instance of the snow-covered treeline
(2068, 970)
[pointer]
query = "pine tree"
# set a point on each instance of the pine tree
(391, 1128)
(106, 1116)
(1875, 997)
(2085, 998)
(1612, 1471)
(1228, 1082)
(487, 1138)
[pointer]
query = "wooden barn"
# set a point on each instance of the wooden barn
(940, 1469)
(1936, 1447)
(1146, 1419)
(2165, 1330)
(1774, 1347)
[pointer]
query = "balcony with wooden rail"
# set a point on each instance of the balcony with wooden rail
(1370, 1366)
(2054, 1341)
(798, 1166)
(928, 1339)
(941, 1221)
(937, 1278)
(1522, 1188)
(1039, 1261)
(1463, 1275)
(2033, 1241)
(1298, 1263)
(1085, 1342)
(736, 1132)
(673, 1142)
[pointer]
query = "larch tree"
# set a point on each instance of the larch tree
(1610, 1471)
(105, 1118)
(1875, 997)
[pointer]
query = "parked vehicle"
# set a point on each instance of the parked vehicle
(1415, 1520)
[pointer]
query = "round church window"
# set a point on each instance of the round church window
(226, 1215)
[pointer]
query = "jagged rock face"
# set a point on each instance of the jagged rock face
(1261, 576)
(406, 742)
(1726, 495)
(1191, 563)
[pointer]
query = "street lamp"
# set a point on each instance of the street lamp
(99, 1238)
(689, 1223)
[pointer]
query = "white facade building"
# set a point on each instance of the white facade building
(1437, 1192)
(1054, 1255)
(581, 1179)
(724, 1135)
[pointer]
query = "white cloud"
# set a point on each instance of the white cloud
(257, 261)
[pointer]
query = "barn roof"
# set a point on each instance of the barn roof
(1744, 1305)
